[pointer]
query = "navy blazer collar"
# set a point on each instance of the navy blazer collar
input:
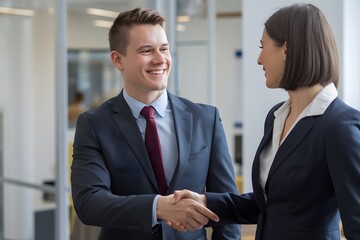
(126, 122)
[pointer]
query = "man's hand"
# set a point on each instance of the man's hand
(178, 195)
(184, 214)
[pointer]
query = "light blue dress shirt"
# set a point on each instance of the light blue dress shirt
(166, 130)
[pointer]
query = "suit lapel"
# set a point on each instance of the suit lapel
(183, 126)
(291, 143)
(126, 122)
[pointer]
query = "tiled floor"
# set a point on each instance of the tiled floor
(248, 232)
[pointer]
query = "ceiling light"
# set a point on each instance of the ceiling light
(183, 18)
(180, 28)
(51, 10)
(17, 11)
(102, 23)
(101, 12)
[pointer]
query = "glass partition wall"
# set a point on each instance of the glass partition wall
(28, 106)
(190, 30)
(1, 174)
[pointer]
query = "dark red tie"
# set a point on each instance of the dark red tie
(153, 147)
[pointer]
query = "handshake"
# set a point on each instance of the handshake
(185, 210)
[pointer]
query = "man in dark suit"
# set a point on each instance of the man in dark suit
(113, 182)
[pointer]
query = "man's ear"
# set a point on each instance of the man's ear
(116, 59)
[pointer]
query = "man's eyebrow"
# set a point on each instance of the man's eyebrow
(151, 46)
(142, 47)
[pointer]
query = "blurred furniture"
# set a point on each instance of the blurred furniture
(239, 183)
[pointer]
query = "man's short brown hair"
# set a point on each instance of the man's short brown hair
(118, 34)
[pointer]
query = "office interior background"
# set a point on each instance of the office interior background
(52, 49)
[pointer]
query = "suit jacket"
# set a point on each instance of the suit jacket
(113, 184)
(315, 173)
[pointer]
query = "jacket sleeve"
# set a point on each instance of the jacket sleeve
(221, 176)
(343, 158)
(233, 208)
(93, 200)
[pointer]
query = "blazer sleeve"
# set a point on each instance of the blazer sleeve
(233, 208)
(221, 176)
(91, 187)
(343, 157)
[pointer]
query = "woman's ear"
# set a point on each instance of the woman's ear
(116, 59)
(285, 51)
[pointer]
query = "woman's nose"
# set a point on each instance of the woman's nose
(259, 61)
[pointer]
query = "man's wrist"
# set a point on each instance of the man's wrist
(203, 199)
(161, 203)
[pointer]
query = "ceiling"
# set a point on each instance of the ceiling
(185, 7)
(35, 4)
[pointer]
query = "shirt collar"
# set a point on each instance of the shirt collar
(322, 100)
(160, 104)
(317, 107)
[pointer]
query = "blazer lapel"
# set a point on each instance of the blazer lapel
(290, 144)
(125, 121)
(183, 127)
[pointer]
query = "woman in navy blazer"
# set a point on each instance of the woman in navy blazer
(306, 171)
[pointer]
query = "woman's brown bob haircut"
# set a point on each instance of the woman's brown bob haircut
(311, 55)
(118, 34)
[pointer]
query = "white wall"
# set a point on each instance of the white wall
(44, 97)
(229, 74)
(351, 52)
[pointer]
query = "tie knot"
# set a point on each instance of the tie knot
(148, 112)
